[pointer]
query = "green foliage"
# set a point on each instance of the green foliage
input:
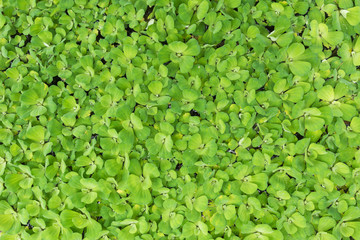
(196, 119)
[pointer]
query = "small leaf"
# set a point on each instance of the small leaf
(202, 9)
(6, 222)
(248, 187)
(300, 68)
(201, 203)
(352, 15)
(355, 124)
(326, 223)
(155, 87)
(178, 47)
(326, 93)
(314, 123)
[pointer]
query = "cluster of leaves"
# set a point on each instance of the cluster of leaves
(179, 119)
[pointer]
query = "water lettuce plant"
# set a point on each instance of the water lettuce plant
(179, 119)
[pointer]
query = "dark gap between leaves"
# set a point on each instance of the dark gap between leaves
(28, 39)
(290, 176)
(298, 136)
(260, 192)
(231, 151)
(129, 30)
(28, 225)
(178, 166)
(194, 113)
(326, 15)
(344, 188)
(55, 80)
(334, 53)
(270, 28)
(99, 37)
(220, 44)
(148, 11)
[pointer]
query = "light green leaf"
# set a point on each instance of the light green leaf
(355, 124)
(326, 93)
(155, 87)
(352, 15)
(178, 47)
(314, 123)
(136, 121)
(6, 222)
(201, 203)
(326, 223)
(130, 51)
(248, 187)
(300, 68)
(295, 50)
(202, 9)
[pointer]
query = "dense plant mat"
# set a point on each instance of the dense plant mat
(196, 119)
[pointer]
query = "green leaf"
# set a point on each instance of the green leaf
(314, 123)
(29, 97)
(248, 188)
(12, 181)
(201, 203)
(290, 228)
(67, 216)
(326, 223)
(252, 31)
(51, 233)
(351, 214)
(89, 197)
(193, 48)
(326, 93)
(130, 51)
(6, 222)
(232, 3)
(295, 50)
(186, 64)
(334, 38)
(352, 15)
(202, 9)
(280, 86)
(188, 229)
(155, 87)
(150, 170)
(300, 68)
(355, 124)
(299, 220)
(112, 166)
(46, 37)
(36, 133)
(230, 212)
(176, 221)
(178, 47)
(136, 121)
